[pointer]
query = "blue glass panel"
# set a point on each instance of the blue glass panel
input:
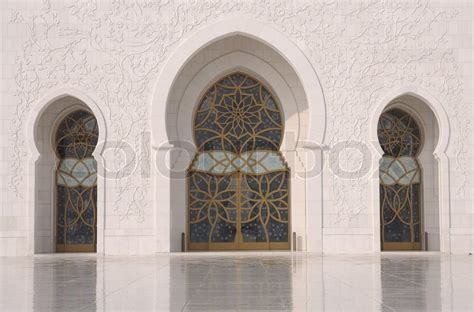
(253, 232)
(223, 232)
(397, 232)
(199, 232)
(400, 212)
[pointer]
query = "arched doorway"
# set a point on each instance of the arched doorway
(238, 181)
(76, 183)
(43, 123)
(401, 181)
(238, 44)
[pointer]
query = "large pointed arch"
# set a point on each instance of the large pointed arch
(163, 141)
(250, 28)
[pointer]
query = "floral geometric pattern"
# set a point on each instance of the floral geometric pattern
(76, 182)
(238, 190)
(212, 208)
(400, 180)
(398, 133)
(77, 135)
(238, 114)
(264, 207)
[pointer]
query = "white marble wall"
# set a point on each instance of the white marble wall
(364, 53)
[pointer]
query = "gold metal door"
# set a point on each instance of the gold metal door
(238, 181)
(238, 212)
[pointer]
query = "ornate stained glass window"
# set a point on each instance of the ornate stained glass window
(76, 183)
(400, 181)
(238, 181)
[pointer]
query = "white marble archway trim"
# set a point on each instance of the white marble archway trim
(244, 26)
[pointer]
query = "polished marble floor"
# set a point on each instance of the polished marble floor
(238, 281)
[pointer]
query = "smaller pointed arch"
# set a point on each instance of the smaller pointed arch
(43, 120)
(441, 178)
(51, 97)
(437, 108)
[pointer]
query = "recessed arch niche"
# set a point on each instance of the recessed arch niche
(415, 170)
(45, 123)
(267, 55)
(238, 182)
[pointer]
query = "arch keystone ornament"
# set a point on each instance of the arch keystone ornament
(238, 182)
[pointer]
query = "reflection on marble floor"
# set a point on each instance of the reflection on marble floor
(238, 281)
